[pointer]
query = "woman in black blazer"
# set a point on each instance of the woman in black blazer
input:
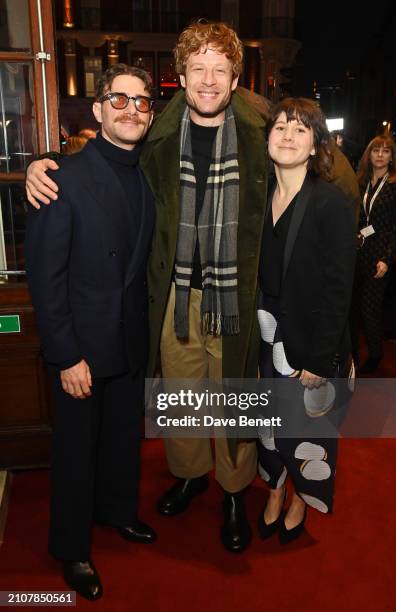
(306, 277)
(377, 226)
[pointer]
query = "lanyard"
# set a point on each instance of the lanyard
(382, 183)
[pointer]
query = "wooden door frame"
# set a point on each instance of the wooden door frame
(26, 444)
(49, 35)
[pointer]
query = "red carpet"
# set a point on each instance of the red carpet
(344, 562)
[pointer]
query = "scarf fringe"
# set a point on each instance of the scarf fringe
(219, 325)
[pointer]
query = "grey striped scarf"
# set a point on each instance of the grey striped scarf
(217, 233)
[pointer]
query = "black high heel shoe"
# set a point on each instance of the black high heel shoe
(288, 535)
(266, 531)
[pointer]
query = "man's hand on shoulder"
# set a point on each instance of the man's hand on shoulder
(77, 380)
(39, 187)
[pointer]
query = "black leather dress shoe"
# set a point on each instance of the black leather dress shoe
(236, 532)
(138, 532)
(179, 497)
(82, 577)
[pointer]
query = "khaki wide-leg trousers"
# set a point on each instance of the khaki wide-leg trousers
(201, 357)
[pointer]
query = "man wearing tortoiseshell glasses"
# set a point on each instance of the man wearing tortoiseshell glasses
(86, 262)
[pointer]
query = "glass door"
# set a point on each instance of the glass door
(28, 126)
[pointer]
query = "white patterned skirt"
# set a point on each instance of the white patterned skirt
(310, 460)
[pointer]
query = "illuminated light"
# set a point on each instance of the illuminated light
(335, 124)
(68, 21)
(169, 84)
(71, 85)
(387, 127)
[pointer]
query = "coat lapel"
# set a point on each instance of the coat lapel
(296, 220)
(271, 191)
(140, 252)
(160, 162)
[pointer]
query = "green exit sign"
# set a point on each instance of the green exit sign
(9, 324)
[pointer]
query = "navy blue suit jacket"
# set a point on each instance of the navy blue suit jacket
(88, 290)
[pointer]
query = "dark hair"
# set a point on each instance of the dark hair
(104, 83)
(209, 33)
(365, 168)
(309, 113)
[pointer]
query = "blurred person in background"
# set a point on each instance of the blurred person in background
(377, 224)
(73, 144)
(87, 133)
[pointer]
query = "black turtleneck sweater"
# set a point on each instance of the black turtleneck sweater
(124, 164)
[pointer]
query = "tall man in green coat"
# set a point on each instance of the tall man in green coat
(207, 149)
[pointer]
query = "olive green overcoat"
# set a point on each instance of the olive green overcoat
(160, 163)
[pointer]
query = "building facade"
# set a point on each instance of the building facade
(94, 34)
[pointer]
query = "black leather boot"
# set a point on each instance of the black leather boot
(236, 533)
(179, 497)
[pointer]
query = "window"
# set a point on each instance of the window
(169, 82)
(92, 72)
(142, 16)
(169, 17)
(17, 123)
(14, 26)
(90, 14)
(145, 61)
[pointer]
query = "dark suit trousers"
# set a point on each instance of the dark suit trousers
(95, 462)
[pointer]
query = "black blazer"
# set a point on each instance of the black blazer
(88, 291)
(318, 270)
